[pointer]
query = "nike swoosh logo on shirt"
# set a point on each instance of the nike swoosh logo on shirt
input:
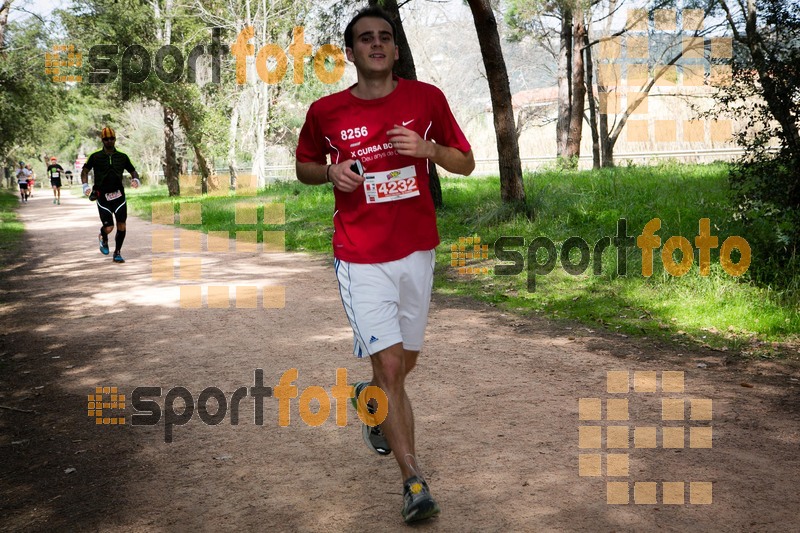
(407, 122)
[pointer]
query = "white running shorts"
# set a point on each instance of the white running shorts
(387, 303)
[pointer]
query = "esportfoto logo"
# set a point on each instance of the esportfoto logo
(134, 64)
(148, 411)
(512, 262)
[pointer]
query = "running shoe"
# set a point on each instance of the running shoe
(58, 202)
(373, 435)
(118, 258)
(418, 504)
(103, 245)
(54, 201)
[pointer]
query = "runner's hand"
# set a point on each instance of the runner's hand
(343, 178)
(408, 142)
(135, 183)
(87, 190)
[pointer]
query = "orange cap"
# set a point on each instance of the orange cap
(107, 132)
(53, 159)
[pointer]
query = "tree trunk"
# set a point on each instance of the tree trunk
(512, 190)
(596, 163)
(195, 140)
(405, 68)
(573, 151)
(202, 164)
(170, 161)
(606, 147)
(5, 8)
(232, 131)
(262, 115)
(564, 82)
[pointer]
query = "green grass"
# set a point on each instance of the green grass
(308, 212)
(10, 228)
(718, 310)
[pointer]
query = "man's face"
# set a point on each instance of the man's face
(374, 50)
(108, 142)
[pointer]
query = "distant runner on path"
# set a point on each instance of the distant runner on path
(23, 175)
(109, 165)
(54, 171)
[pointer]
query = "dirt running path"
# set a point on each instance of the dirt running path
(496, 401)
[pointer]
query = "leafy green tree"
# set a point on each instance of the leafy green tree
(148, 46)
(765, 88)
(29, 99)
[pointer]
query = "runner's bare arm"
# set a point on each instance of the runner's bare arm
(85, 180)
(408, 142)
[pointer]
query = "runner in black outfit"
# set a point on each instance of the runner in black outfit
(54, 171)
(108, 165)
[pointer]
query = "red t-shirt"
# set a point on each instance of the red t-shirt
(391, 215)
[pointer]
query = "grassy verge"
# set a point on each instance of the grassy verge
(717, 310)
(10, 227)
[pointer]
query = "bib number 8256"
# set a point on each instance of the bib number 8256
(354, 133)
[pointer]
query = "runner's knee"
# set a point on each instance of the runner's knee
(410, 360)
(388, 367)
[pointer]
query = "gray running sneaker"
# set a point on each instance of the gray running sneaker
(418, 504)
(373, 436)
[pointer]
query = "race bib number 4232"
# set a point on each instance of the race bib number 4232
(391, 185)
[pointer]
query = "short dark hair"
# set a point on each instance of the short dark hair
(374, 12)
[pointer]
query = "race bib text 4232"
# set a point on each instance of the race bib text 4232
(391, 185)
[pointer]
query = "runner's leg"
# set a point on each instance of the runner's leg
(121, 214)
(389, 373)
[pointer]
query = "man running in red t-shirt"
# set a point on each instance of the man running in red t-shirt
(385, 223)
